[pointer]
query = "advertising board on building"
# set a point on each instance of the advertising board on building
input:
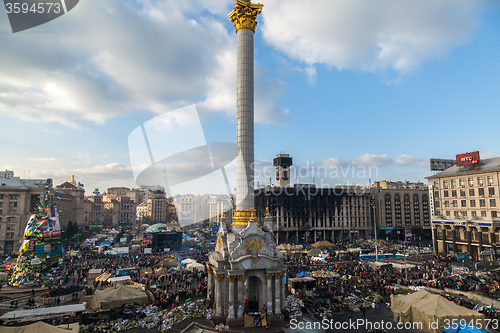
(468, 158)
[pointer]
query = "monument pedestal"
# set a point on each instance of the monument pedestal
(276, 319)
(235, 322)
(219, 320)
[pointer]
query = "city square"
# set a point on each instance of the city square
(197, 233)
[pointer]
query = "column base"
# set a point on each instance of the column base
(218, 320)
(235, 322)
(277, 318)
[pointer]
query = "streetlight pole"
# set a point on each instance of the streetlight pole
(372, 204)
(404, 254)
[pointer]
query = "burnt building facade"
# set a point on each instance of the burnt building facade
(305, 214)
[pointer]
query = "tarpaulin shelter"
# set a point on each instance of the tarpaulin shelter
(169, 263)
(321, 244)
(303, 274)
(426, 308)
(115, 297)
(188, 261)
(313, 253)
(39, 327)
(104, 277)
(195, 266)
(43, 312)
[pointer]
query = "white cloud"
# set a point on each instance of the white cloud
(112, 58)
(332, 162)
(489, 155)
(373, 160)
(45, 159)
(368, 35)
(95, 176)
(404, 160)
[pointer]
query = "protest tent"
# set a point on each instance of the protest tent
(302, 274)
(169, 263)
(321, 244)
(431, 310)
(43, 312)
(283, 247)
(120, 279)
(188, 261)
(195, 266)
(314, 253)
(116, 297)
(39, 327)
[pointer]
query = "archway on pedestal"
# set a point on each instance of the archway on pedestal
(253, 294)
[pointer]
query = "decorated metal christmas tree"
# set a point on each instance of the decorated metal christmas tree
(40, 258)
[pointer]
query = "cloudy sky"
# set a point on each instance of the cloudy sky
(353, 90)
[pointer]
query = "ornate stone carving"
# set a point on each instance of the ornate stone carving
(210, 270)
(269, 276)
(253, 244)
(219, 277)
(240, 277)
(241, 217)
(219, 242)
(244, 15)
(255, 259)
(232, 278)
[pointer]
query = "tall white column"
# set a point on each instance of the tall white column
(245, 120)
(218, 294)
(283, 294)
(210, 286)
(232, 307)
(269, 279)
(277, 290)
(241, 296)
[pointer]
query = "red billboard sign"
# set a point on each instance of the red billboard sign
(468, 158)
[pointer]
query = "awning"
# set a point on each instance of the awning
(44, 311)
(120, 279)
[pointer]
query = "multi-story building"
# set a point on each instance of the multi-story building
(118, 191)
(465, 207)
(94, 210)
(192, 209)
(18, 198)
(120, 209)
(142, 212)
(71, 202)
(144, 192)
(306, 213)
(401, 210)
(7, 174)
(160, 208)
(400, 185)
(219, 205)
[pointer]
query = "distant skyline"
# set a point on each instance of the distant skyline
(374, 87)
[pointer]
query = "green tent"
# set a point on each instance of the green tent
(169, 263)
(313, 253)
